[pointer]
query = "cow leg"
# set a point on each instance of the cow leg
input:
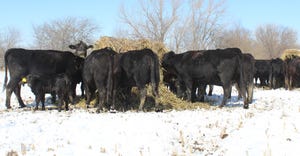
(201, 92)
(37, 101)
(211, 87)
(53, 97)
(11, 86)
(126, 94)
(156, 95)
(274, 83)
(193, 92)
(143, 92)
(43, 102)
(60, 102)
(229, 94)
(82, 90)
(250, 92)
(73, 89)
(226, 92)
(290, 83)
(179, 90)
(189, 88)
(101, 96)
(17, 92)
(69, 97)
(88, 95)
(8, 97)
(286, 82)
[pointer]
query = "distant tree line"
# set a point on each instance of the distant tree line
(202, 26)
(181, 25)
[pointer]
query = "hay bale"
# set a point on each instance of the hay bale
(123, 45)
(289, 53)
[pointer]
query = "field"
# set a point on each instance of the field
(271, 126)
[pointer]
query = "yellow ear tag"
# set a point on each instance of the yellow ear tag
(24, 80)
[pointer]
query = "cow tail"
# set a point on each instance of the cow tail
(5, 66)
(155, 75)
(109, 84)
(242, 81)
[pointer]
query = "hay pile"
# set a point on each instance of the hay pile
(289, 52)
(167, 99)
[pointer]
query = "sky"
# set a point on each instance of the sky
(23, 15)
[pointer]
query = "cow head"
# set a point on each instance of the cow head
(166, 60)
(31, 79)
(80, 48)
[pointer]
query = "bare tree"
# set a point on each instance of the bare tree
(153, 21)
(274, 39)
(180, 24)
(238, 36)
(9, 38)
(58, 34)
(178, 35)
(204, 23)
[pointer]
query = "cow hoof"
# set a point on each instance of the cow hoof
(113, 110)
(22, 106)
(98, 111)
(8, 107)
(246, 106)
(140, 110)
(158, 110)
(221, 106)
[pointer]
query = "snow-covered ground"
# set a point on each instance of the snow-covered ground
(271, 126)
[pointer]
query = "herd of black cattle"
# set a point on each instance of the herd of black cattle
(107, 72)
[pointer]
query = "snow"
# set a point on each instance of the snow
(271, 126)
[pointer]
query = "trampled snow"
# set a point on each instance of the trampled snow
(271, 126)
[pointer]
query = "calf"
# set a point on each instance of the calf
(59, 84)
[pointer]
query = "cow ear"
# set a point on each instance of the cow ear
(72, 46)
(90, 46)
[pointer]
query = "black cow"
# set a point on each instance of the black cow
(248, 62)
(97, 74)
(21, 62)
(292, 72)
(170, 78)
(59, 84)
(137, 68)
(81, 48)
(276, 77)
(217, 67)
(262, 71)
